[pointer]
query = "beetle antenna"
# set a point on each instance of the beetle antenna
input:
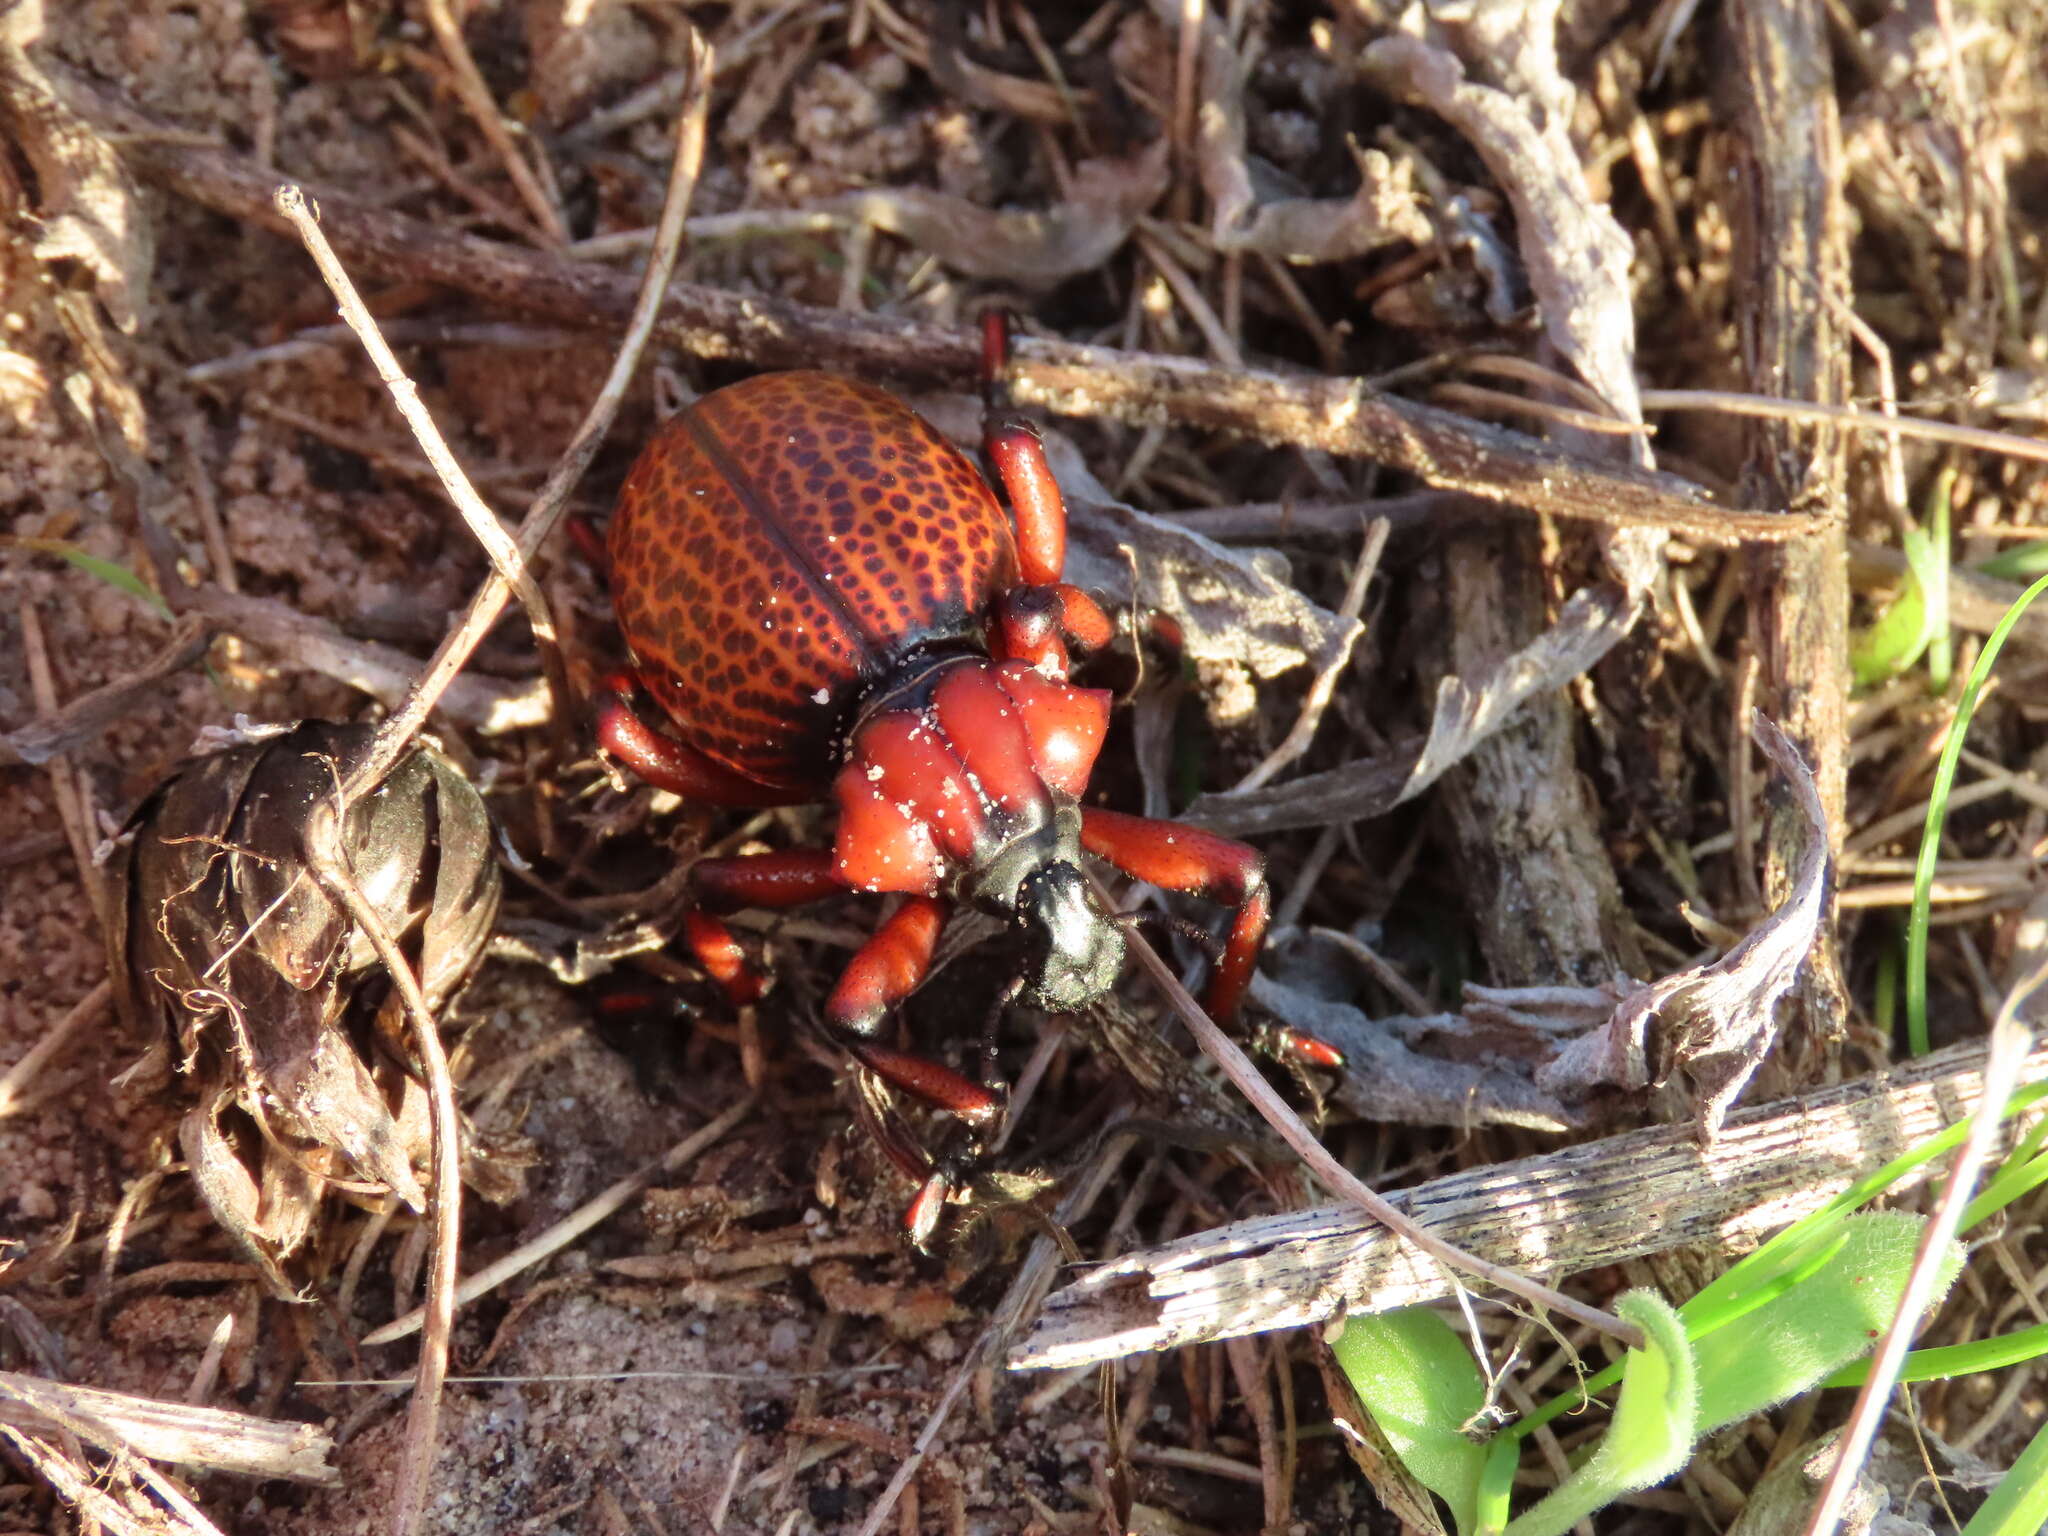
(1193, 932)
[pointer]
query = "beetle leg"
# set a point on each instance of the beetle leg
(888, 969)
(1177, 857)
(1082, 620)
(788, 878)
(1035, 501)
(1035, 625)
(995, 359)
(774, 880)
(719, 953)
(677, 767)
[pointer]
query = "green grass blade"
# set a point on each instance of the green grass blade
(1937, 813)
(2018, 1506)
(1942, 1362)
(113, 574)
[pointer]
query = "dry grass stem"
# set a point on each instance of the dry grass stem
(496, 542)
(476, 96)
(1297, 739)
(182, 1434)
(328, 859)
(58, 1038)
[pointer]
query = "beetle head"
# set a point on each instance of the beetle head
(1075, 952)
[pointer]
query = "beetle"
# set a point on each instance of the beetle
(825, 600)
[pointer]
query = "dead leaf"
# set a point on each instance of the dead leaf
(1039, 247)
(1235, 607)
(1389, 1079)
(1384, 211)
(1715, 1022)
(1467, 712)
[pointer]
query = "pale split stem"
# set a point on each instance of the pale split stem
(2011, 444)
(1245, 1077)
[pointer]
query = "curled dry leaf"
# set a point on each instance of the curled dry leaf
(1577, 253)
(258, 981)
(1467, 712)
(1715, 1022)
(1024, 246)
(1384, 211)
(1417, 1071)
(86, 208)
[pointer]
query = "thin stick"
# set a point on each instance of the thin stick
(577, 1222)
(74, 800)
(1297, 740)
(328, 858)
(56, 1039)
(503, 551)
(476, 96)
(90, 713)
(2011, 444)
(1245, 1077)
(552, 500)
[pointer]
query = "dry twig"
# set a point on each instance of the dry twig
(1342, 416)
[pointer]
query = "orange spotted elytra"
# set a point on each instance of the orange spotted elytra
(826, 601)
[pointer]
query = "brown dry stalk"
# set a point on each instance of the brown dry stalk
(1341, 415)
(328, 859)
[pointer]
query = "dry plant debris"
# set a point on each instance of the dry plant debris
(1352, 315)
(229, 957)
